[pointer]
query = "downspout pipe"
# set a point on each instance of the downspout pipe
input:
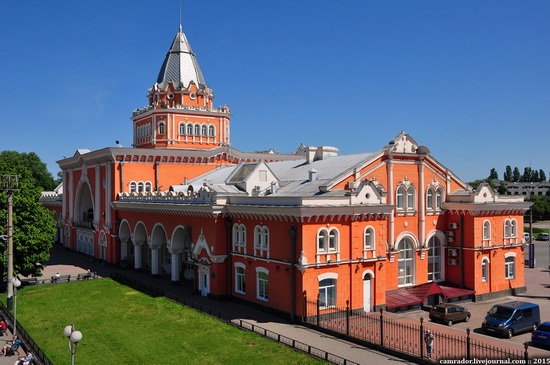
(228, 226)
(461, 251)
(292, 233)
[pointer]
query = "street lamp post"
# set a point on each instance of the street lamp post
(16, 284)
(74, 338)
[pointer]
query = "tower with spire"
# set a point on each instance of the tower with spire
(180, 113)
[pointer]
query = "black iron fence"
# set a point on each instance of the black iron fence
(404, 338)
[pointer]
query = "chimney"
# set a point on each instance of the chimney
(312, 175)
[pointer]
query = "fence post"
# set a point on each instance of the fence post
(347, 317)
(318, 308)
(526, 354)
(304, 318)
(421, 337)
(381, 327)
(468, 344)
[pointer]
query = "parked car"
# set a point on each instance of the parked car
(541, 336)
(449, 313)
(510, 318)
(543, 237)
(527, 237)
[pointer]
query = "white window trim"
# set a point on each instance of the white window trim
(261, 270)
(240, 265)
(327, 253)
(485, 259)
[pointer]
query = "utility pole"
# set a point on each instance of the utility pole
(9, 184)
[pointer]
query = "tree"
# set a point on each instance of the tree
(516, 176)
(42, 177)
(508, 173)
(33, 225)
(527, 175)
(493, 174)
(541, 207)
(542, 175)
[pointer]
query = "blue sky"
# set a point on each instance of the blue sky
(469, 79)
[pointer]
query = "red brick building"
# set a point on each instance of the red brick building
(389, 229)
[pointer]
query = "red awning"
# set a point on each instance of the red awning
(450, 292)
(401, 298)
(423, 291)
(415, 295)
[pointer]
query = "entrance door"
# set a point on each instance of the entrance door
(367, 293)
(204, 281)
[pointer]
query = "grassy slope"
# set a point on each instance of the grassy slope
(123, 326)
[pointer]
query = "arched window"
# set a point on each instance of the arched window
(438, 198)
(211, 131)
(507, 229)
(405, 198)
(405, 262)
(133, 187)
(190, 129)
(429, 199)
(261, 241)
(161, 128)
(410, 198)
(148, 187)
(434, 259)
(197, 130)
(485, 270)
(513, 228)
(369, 239)
(400, 198)
(140, 187)
(204, 131)
(239, 237)
(327, 240)
(327, 293)
(486, 231)
(182, 128)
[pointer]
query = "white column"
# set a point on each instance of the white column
(137, 255)
(154, 261)
(176, 264)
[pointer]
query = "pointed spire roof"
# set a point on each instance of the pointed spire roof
(180, 64)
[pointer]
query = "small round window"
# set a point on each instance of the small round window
(192, 96)
(170, 96)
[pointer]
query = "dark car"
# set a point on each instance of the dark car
(449, 313)
(543, 237)
(541, 336)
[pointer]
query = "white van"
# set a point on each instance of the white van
(526, 237)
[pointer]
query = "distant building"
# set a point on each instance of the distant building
(392, 229)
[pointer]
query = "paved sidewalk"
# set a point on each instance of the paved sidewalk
(66, 262)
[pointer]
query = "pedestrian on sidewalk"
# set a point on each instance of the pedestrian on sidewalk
(429, 339)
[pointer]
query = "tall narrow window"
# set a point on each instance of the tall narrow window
(161, 128)
(485, 270)
(410, 198)
(405, 263)
(434, 259)
(204, 130)
(182, 128)
(211, 131)
(439, 197)
(507, 229)
(513, 229)
(369, 237)
(190, 129)
(197, 130)
(429, 199)
(262, 284)
(400, 198)
(486, 231)
(510, 267)
(240, 278)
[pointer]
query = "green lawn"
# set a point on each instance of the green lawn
(123, 326)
